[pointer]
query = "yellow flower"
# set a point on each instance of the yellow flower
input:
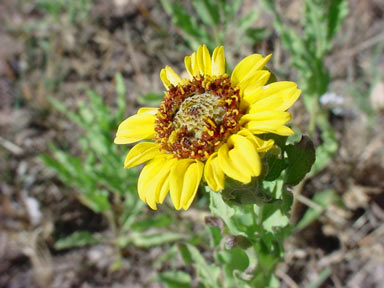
(206, 125)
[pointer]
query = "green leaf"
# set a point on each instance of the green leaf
(97, 201)
(208, 11)
(247, 21)
(233, 259)
(175, 279)
(207, 272)
(219, 208)
(149, 240)
(159, 220)
(276, 218)
(185, 253)
(216, 235)
(77, 239)
(256, 35)
(275, 164)
(231, 8)
(167, 6)
(121, 92)
(301, 157)
(279, 140)
(338, 9)
(324, 152)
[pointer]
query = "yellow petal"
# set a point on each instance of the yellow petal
(161, 180)
(164, 78)
(153, 184)
(191, 65)
(145, 177)
(135, 128)
(267, 122)
(213, 174)
(256, 80)
(204, 60)
(244, 155)
(195, 65)
(218, 61)
(188, 66)
(265, 116)
(229, 167)
(184, 180)
(259, 144)
(148, 110)
(278, 96)
(164, 189)
(248, 67)
(169, 77)
(191, 183)
(141, 153)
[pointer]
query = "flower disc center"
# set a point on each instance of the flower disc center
(196, 110)
(195, 118)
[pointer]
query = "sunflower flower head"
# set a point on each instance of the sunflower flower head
(206, 127)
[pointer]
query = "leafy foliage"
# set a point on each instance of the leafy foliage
(77, 239)
(211, 20)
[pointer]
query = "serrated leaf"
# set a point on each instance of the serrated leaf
(77, 239)
(301, 157)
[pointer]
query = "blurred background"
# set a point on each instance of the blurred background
(72, 70)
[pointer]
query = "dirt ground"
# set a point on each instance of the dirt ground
(137, 39)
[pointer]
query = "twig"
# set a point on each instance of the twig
(360, 47)
(13, 148)
(332, 216)
(286, 279)
(309, 203)
(296, 203)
